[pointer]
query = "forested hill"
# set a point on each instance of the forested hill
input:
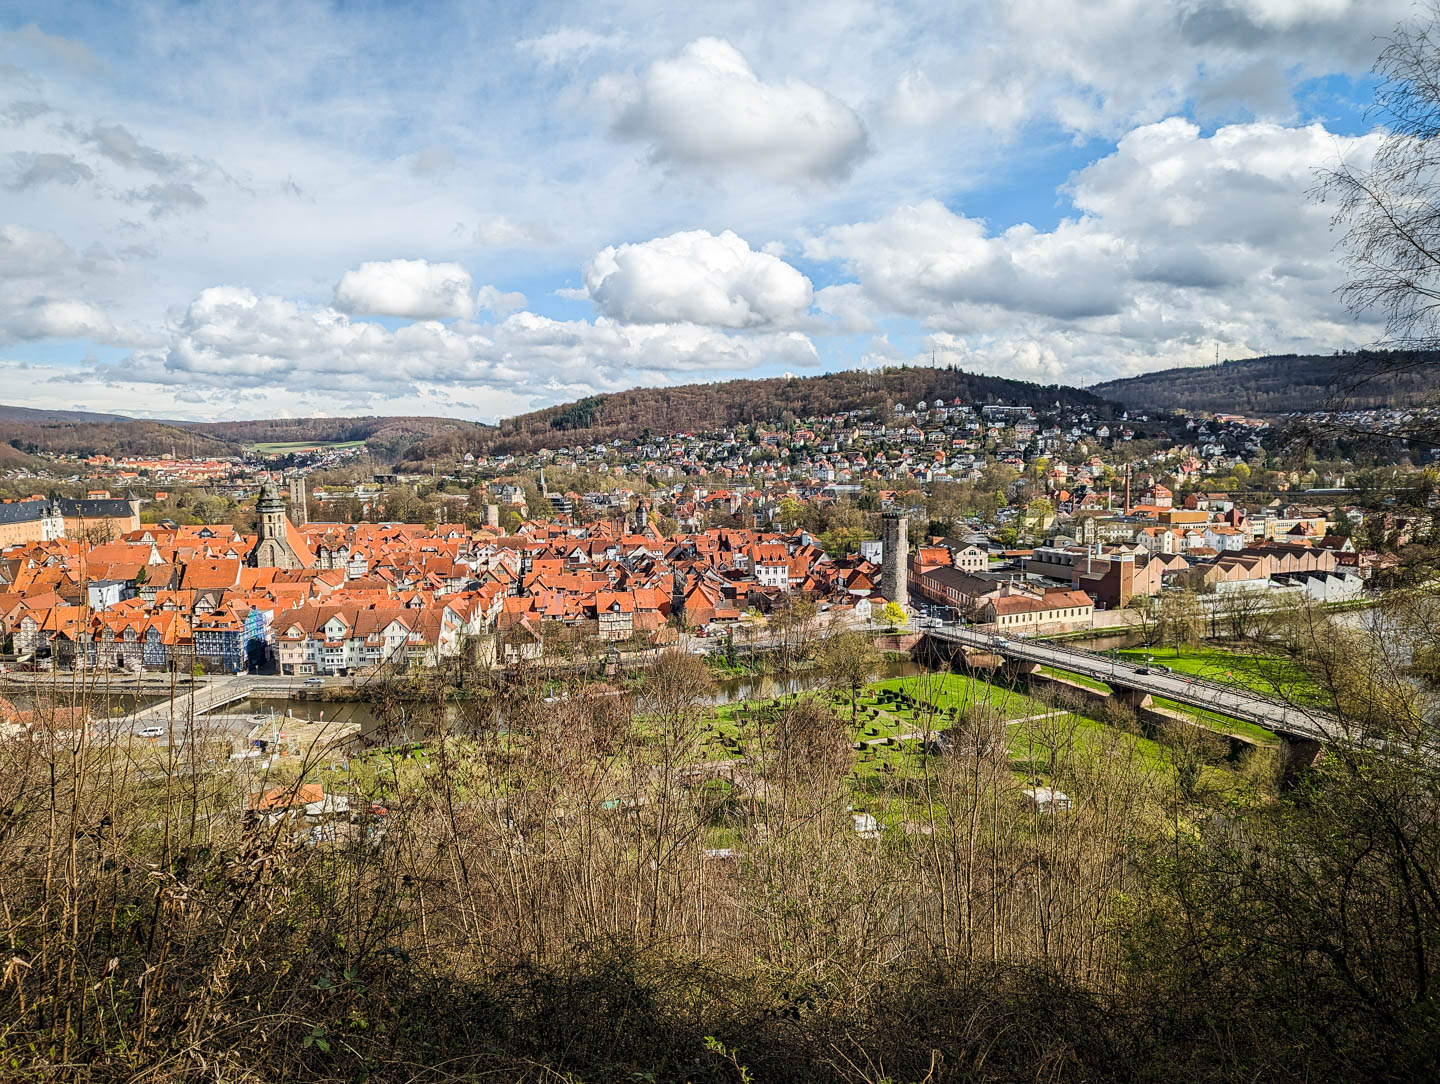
(129, 437)
(64, 432)
(1283, 383)
(385, 437)
(701, 407)
(42, 416)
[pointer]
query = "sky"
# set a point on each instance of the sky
(218, 210)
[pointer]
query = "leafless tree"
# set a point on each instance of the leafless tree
(1389, 208)
(849, 663)
(1387, 211)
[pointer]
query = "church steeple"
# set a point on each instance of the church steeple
(272, 543)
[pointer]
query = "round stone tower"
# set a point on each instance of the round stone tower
(895, 558)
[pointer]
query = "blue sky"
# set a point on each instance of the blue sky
(219, 210)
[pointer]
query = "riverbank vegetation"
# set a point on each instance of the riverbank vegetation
(927, 878)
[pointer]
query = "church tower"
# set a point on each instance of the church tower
(273, 548)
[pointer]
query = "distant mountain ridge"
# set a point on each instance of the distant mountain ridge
(1285, 383)
(41, 416)
(1265, 386)
(64, 432)
(701, 407)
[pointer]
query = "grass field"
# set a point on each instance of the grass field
(1214, 720)
(1045, 746)
(1264, 674)
(283, 447)
(883, 735)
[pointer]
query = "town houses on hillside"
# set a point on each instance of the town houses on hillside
(326, 598)
(677, 532)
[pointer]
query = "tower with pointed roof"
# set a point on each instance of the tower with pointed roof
(273, 548)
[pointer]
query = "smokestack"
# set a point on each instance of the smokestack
(1127, 490)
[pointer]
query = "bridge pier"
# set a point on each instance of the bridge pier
(1138, 699)
(1297, 756)
(1020, 668)
(942, 651)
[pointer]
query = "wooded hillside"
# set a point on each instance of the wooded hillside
(110, 438)
(1283, 383)
(277, 430)
(66, 432)
(700, 407)
(36, 415)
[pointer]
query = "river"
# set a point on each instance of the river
(726, 691)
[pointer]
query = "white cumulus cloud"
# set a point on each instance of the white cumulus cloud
(412, 288)
(231, 337)
(498, 301)
(1179, 241)
(697, 277)
(708, 108)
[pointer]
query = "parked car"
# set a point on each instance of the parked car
(315, 681)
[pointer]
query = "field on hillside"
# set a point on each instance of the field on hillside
(284, 447)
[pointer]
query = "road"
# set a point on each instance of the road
(1236, 702)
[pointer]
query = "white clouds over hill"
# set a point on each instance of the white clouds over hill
(230, 337)
(1180, 241)
(308, 201)
(698, 277)
(410, 288)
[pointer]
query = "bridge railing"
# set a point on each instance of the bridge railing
(1102, 661)
(1192, 679)
(1263, 712)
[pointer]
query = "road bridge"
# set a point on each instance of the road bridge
(1287, 720)
(194, 701)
